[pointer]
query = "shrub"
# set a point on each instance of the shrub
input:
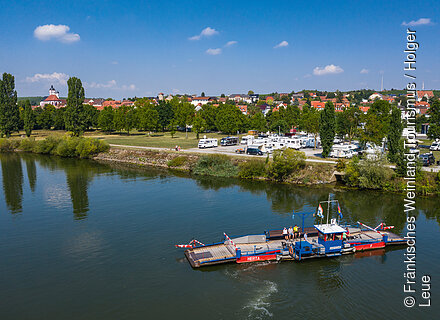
(215, 165)
(27, 145)
(340, 165)
(67, 147)
(177, 161)
(8, 145)
(368, 174)
(285, 162)
(89, 147)
(252, 169)
(48, 145)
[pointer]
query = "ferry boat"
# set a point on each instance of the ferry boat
(323, 240)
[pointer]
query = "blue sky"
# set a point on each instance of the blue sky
(127, 48)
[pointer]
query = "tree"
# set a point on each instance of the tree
(45, 118)
(434, 121)
(395, 142)
(310, 121)
(28, 118)
(250, 92)
(173, 126)
(327, 128)
(184, 115)
(74, 113)
(90, 116)
(148, 118)
(377, 122)
(258, 122)
(208, 113)
(9, 111)
(105, 119)
(58, 119)
(199, 124)
(203, 94)
(347, 122)
(229, 119)
(293, 116)
(166, 114)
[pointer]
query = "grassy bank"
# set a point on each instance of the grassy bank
(135, 138)
(71, 147)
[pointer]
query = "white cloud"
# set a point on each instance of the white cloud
(365, 71)
(128, 87)
(112, 84)
(207, 32)
(57, 32)
(56, 77)
(230, 43)
(328, 69)
(114, 62)
(108, 84)
(420, 22)
(282, 44)
(214, 52)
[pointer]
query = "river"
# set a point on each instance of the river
(84, 240)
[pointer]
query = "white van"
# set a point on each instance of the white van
(208, 143)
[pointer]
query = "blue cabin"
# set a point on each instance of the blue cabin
(330, 236)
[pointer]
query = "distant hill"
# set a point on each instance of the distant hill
(34, 100)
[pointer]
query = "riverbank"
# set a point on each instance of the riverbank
(217, 165)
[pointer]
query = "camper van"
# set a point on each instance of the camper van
(229, 141)
(208, 143)
(246, 140)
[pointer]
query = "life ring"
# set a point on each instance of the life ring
(354, 249)
(291, 250)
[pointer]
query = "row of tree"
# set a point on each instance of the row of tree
(382, 120)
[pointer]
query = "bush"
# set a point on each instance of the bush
(285, 162)
(252, 169)
(340, 165)
(67, 147)
(47, 146)
(177, 161)
(215, 165)
(368, 174)
(28, 145)
(8, 145)
(89, 147)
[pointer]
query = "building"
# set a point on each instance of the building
(53, 98)
(428, 94)
(243, 108)
(375, 96)
(240, 98)
(319, 105)
(200, 101)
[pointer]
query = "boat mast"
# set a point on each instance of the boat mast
(328, 207)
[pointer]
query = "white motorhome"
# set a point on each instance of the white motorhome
(247, 140)
(208, 143)
(346, 151)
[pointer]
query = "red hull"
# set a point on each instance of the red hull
(370, 246)
(257, 258)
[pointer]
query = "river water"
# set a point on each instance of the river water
(83, 240)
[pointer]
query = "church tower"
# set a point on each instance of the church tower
(53, 92)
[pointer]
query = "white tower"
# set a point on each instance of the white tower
(53, 92)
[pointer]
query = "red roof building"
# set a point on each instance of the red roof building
(319, 105)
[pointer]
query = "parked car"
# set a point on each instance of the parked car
(427, 159)
(254, 151)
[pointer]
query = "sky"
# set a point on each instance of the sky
(140, 48)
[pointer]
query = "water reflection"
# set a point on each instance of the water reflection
(12, 176)
(366, 206)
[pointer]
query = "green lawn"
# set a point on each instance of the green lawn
(159, 140)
